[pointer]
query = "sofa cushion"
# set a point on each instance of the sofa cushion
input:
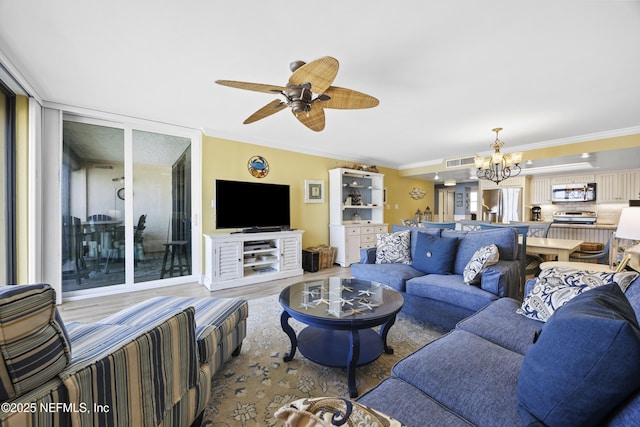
(434, 254)
(34, 346)
(598, 338)
(468, 375)
(392, 275)
(506, 239)
(412, 407)
(393, 248)
(482, 258)
(451, 289)
(499, 323)
(324, 411)
(556, 286)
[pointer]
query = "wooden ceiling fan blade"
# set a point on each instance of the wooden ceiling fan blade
(314, 119)
(348, 99)
(256, 87)
(269, 109)
(320, 73)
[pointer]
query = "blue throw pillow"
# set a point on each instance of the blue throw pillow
(434, 254)
(584, 363)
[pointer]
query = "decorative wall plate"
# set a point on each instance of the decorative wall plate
(258, 166)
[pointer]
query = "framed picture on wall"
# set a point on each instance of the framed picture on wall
(313, 191)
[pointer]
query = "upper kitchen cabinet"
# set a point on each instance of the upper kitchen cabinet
(540, 190)
(617, 187)
(572, 179)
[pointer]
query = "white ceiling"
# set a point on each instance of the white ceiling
(446, 72)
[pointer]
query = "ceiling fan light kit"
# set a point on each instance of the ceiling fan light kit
(307, 80)
(498, 167)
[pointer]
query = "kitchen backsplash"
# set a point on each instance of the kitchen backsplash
(607, 213)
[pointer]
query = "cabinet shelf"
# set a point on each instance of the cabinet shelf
(354, 226)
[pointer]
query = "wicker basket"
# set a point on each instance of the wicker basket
(327, 255)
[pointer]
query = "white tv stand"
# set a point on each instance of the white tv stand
(238, 259)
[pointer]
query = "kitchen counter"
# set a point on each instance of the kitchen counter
(597, 226)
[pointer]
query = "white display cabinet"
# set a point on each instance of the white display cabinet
(355, 197)
(356, 212)
(238, 259)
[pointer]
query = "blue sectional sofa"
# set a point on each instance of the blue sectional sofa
(500, 368)
(150, 364)
(445, 299)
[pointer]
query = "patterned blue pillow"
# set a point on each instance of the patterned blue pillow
(484, 257)
(34, 346)
(434, 255)
(393, 248)
(555, 287)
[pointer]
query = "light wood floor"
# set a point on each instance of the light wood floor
(93, 309)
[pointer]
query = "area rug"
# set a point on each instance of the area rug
(248, 389)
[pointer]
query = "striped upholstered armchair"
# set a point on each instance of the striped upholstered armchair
(150, 364)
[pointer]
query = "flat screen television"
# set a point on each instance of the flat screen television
(252, 205)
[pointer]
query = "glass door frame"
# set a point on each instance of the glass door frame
(129, 124)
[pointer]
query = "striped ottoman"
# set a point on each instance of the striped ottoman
(221, 323)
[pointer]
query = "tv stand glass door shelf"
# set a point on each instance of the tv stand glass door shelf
(237, 259)
(356, 212)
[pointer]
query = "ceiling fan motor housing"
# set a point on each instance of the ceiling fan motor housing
(299, 98)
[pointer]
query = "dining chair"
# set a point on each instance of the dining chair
(471, 224)
(430, 224)
(536, 228)
(72, 248)
(602, 257)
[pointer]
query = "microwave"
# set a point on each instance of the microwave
(573, 193)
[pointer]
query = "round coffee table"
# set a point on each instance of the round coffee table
(340, 314)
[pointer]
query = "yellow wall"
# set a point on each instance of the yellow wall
(225, 159)
(22, 188)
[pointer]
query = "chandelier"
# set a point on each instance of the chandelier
(498, 167)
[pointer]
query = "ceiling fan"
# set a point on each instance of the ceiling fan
(307, 93)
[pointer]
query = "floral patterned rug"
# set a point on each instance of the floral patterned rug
(248, 389)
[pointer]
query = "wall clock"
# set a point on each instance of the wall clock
(258, 166)
(121, 193)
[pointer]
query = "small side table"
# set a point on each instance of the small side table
(179, 248)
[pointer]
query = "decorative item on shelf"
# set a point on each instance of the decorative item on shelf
(356, 218)
(356, 198)
(417, 193)
(418, 215)
(498, 166)
(428, 216)
(368, 168)
(313, 191)
(258, 166)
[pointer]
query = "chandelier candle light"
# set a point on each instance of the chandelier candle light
(498, 167)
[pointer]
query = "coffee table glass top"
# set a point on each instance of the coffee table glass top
(336, 299)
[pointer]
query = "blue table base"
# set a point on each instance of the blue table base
(331, 348)
(337, 347)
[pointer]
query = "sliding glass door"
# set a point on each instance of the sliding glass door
(161, 206)
(126, 205)
(93, 229)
